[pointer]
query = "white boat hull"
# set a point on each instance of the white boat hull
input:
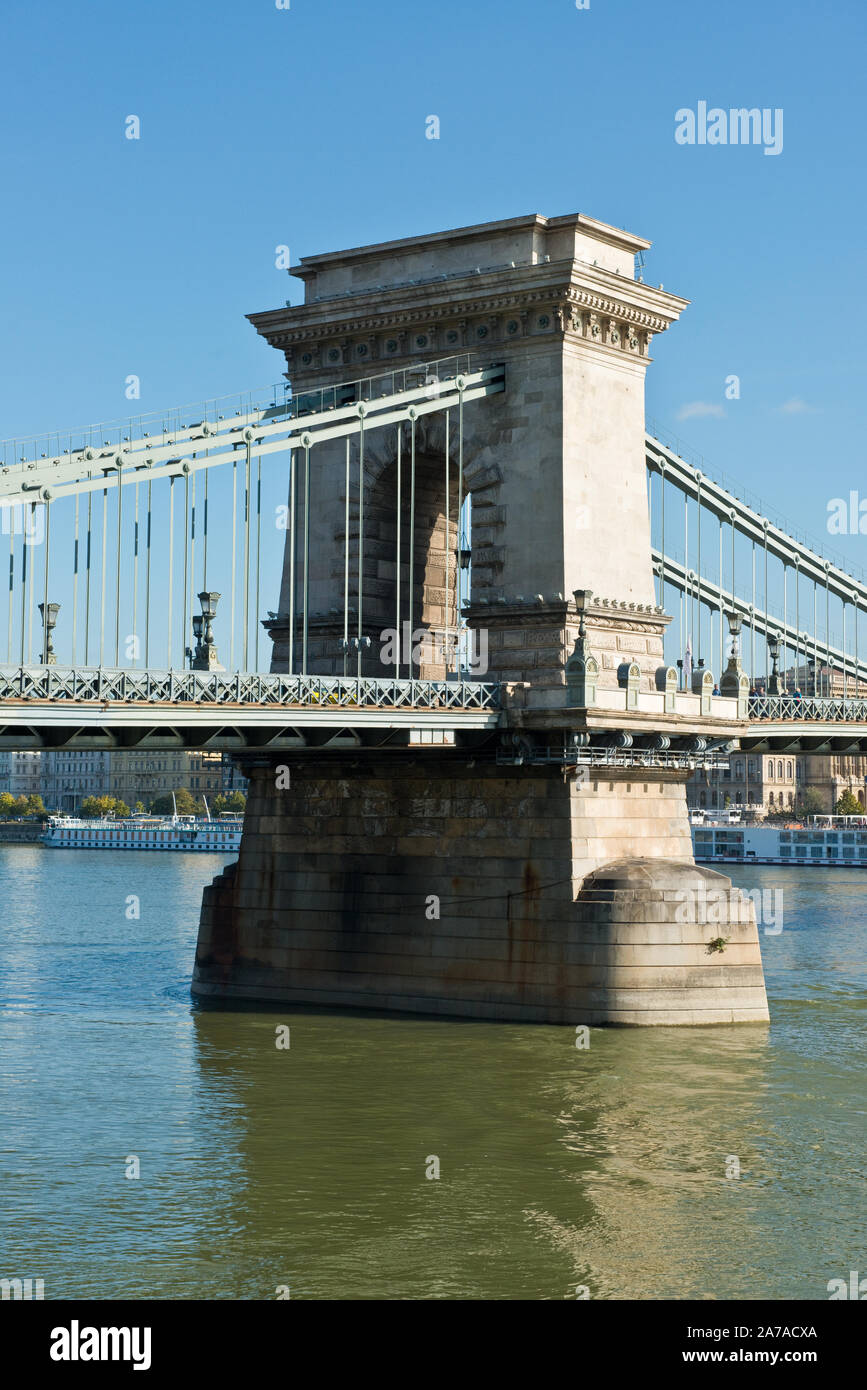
(204, 837)
(764, 844)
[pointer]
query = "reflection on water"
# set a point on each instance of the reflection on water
(305, 1167)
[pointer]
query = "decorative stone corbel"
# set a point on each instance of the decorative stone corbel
(666, 681)
(629, 679)
(702, 685)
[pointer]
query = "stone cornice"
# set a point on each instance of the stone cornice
(563, 290)
(602, 614)
(617, 308)
(270, 325)
(316, 328)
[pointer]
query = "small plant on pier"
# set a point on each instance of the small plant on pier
(718, 945)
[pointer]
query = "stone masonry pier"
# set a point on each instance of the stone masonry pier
(462, 890)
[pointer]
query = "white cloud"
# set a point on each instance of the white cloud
(795, 407)
(695, 409)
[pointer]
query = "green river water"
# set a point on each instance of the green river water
(305, 1168)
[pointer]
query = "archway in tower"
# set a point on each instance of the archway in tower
(411, 576)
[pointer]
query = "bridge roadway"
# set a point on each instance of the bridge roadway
(55, 707)
(44, 707)
(816, 725)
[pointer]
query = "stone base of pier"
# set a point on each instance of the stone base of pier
(438, 885)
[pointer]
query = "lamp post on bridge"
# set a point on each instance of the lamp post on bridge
(732, 678)
(49, 612)
(203, 657)
(774, 686)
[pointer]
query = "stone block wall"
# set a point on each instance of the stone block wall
(448, 888)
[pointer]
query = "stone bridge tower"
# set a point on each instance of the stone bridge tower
(555, 468)
(494, 879)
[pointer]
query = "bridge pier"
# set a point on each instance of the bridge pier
(449, 884)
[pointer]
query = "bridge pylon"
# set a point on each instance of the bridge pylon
(543, 872)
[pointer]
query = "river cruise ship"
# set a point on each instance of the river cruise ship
(834, 840)
(221, 835)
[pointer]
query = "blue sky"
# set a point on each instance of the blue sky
(305, 126)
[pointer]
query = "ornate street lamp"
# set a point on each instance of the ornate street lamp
(204, 656)
(774, 687)
(732, 680)
(49, 612)
(194, 652)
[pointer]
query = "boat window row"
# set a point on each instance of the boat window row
(816, 852)
(823, 837)
(790, 844)
(143, 837)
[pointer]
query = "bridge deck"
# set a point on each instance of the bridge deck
(52, 707)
